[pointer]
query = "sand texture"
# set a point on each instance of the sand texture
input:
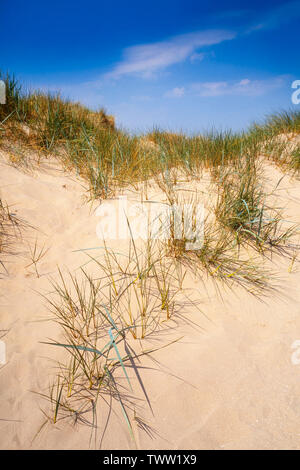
(225, 380)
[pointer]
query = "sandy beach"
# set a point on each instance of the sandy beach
(224, 375)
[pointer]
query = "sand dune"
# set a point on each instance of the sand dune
(229, 382)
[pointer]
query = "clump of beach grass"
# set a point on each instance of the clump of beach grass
(91, 339)
(140, 285)
(96, 315)
(279, 138)
(242, 207)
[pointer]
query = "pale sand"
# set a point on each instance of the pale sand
(229, 383)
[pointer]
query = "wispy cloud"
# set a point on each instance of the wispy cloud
(242, 87)
(176, 92)
(277, 16)
(145, 60)
(197, 57)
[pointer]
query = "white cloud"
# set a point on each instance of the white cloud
(242, 87)
(245, 81)
(147, 59)
(197, 57)
(177, 92)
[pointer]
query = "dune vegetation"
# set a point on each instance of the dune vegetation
(9, 231)
(134, 297)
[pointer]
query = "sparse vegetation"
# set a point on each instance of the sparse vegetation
(133, 295)
(96, 316)
(279, 139)
(36, 254)
(9, 226)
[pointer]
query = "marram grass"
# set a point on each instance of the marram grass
(134, 297)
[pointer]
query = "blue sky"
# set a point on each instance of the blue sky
(179, 65)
